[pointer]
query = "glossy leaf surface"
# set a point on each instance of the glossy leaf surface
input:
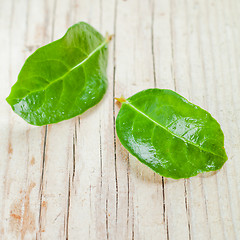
(172, 136)
(62, 79)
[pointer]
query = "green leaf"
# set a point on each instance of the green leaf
(62, 79)
(172, 136)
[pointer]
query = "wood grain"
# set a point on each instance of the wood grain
(74, 180)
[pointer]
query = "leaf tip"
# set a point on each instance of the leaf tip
(8, 100)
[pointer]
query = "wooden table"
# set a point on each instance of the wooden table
(74, 180)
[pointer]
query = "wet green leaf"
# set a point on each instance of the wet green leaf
(172, 136)
(62, 79)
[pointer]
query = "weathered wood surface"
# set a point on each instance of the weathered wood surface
(74, 180)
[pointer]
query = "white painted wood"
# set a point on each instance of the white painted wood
(74, 180)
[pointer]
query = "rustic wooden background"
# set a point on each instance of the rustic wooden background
(74, 180)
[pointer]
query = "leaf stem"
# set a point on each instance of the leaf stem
(121, 99)
(109, 37)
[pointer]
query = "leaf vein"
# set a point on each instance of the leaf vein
(180, 137)
(64, 75)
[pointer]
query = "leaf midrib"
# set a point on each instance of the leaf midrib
(172, 133)
(70, 70)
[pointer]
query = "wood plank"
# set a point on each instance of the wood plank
(139, 189)
(94, 181)
(16, 190)
(201, 91)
